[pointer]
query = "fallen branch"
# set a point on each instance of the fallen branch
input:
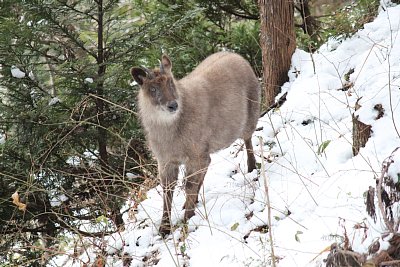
(385, 167)
(277, 104)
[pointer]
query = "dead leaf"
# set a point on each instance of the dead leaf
(17, 202)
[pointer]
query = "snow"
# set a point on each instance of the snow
(88, 80)
(31, 75)
(58, 200)
(131, 176)
(88, 157)
(316, 186)
(394, 168)
(17, 73)
(54, 100)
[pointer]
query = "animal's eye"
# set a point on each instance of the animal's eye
(153, 89)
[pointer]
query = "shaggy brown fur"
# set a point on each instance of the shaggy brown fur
(186, 120)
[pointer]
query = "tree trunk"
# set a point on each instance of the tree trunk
(309, 24)
(278, 42)
(361, 132)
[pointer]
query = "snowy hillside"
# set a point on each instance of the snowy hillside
(316, 187)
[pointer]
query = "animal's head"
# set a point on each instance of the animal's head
(158, 86)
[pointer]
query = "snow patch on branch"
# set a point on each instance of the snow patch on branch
(17, 73)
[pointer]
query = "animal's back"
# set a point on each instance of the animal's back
(221, 100)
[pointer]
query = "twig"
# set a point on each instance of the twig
(389, 75)
(389, 263)
(112, 103)
(268, 202)
(277, 104)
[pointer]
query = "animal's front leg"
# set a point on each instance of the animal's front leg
(168, 173)
(196, 170)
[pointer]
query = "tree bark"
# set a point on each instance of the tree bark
(278, 43)
(361, 132)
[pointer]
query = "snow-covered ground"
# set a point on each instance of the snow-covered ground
(316, 186)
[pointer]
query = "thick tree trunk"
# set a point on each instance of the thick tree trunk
(278, 42)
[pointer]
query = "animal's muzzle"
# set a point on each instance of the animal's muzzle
(172, 106)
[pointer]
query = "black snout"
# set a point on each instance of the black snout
(172, 106)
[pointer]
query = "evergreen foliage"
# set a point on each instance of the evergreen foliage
(66, 121)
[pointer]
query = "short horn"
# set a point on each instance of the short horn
(162, 71)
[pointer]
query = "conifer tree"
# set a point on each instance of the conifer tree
(67, 120)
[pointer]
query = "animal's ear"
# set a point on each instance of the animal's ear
(138, 74)
(166, 64)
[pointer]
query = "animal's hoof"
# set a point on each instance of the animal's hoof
(164, 230)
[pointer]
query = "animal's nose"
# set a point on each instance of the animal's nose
(172, 106)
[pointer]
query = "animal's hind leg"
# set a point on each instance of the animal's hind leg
(251, 161)
(195, 170)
